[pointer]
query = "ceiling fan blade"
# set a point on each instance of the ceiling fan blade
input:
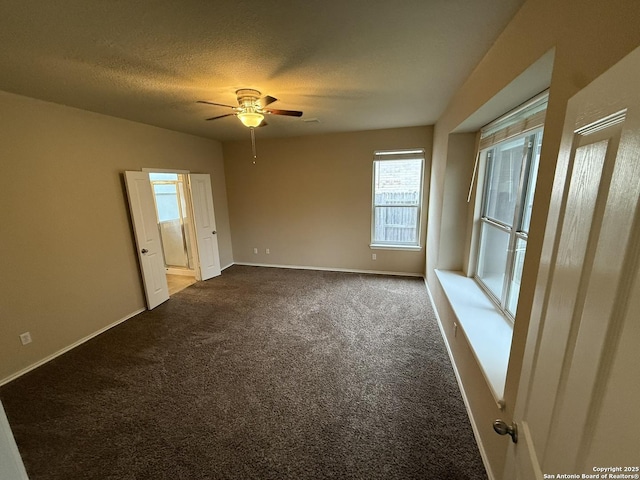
(217, 104)
(290, 113)
(266, 100)
(220, 116)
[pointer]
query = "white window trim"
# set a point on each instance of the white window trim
(384, 246)
(163, 170)
(402, 154)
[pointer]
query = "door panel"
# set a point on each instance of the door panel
(145, 226)
(584, 350)
(584, 182)
(623, 389)
(584, 326)
(205, 225)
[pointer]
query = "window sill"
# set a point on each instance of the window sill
(377, 246)
(488, 332)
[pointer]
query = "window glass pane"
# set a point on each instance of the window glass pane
(492, 260)
(504, 164)
(531, 187)
(163, 176)
(398, 182)
(166, 202)
(516, 277)
(397, 194)
(164, 188)
(396, 225)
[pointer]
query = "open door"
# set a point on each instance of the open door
(148, 242)
(577, 406)
(205, 225)
(11, 466)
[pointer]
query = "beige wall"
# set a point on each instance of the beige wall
(588, 37)
(67, 251)
(308, 200)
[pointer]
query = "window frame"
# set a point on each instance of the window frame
(532, 139)
(392, 156)
(523, 124)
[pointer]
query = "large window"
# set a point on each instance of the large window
(510, 156)
(397, 198)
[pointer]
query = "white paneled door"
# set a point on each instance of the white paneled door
(577, 407)
(205, 224)
(147, 234)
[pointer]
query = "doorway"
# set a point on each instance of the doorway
(197, 222)
(175, 224)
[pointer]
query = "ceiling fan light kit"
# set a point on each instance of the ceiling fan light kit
(251, 119)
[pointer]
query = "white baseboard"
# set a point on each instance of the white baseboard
(330, 269)
(66, 349)
(474, 425)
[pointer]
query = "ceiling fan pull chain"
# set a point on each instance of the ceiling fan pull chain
(253, 145)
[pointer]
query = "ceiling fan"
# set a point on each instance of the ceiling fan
(251, 108)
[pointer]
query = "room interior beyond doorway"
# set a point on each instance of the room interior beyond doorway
(177, 283)
(175, 225)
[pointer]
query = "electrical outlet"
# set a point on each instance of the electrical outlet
(267, 251)
(374, 256)
(25, 338)
(255, 251)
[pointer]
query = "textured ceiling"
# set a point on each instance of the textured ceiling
(350, 64)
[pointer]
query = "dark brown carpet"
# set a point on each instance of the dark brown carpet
(261, 373)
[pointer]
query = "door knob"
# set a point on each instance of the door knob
(144, 250)
(502, 428)
(214, 232)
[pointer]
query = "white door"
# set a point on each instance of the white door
(578, 404)
(145, 226)
(11, 466)
(205, 225)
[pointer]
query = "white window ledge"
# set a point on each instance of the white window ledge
(485, 328)
(379, 246)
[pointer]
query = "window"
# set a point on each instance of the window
(510, 149)
(397, 198)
